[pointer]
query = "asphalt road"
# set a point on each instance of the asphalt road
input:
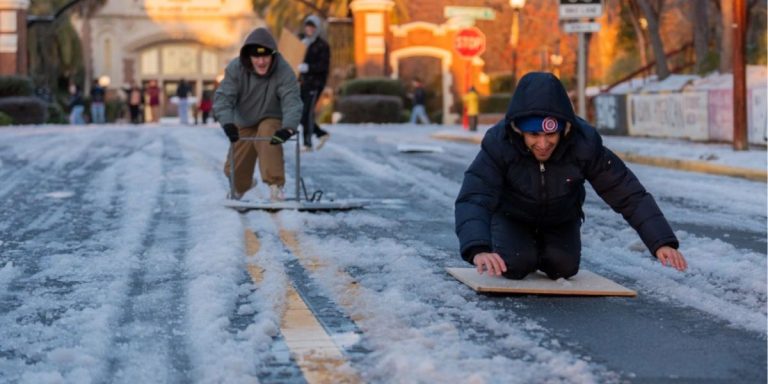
(653, 338)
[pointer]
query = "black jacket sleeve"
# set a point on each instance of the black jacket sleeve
(479, 197)
(621, 189)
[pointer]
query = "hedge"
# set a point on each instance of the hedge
(370, 109)
(15, 86)
(372, 86)
(495, 103)
(5, 119)
(25, 109)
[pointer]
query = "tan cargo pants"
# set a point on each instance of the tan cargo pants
(270, 157)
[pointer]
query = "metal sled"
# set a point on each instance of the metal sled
(309, 202)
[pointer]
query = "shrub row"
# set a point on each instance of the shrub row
(24, 109)
(15, 86)
(372, 86)
(370, 109)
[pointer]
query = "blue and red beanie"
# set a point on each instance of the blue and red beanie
(536, 124)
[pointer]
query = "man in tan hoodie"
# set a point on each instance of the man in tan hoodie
(258, 97)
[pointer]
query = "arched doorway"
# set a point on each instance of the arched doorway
(399, 62)
(168, 63)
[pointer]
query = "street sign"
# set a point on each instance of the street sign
(469, 42)
(477, 13)
(577, 9)
(581, 27)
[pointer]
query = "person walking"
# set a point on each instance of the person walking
(258, 98)
(76, 105)
(97, 103)
(206, 104)
(520, 207)
(153, 94)
(472, 106)
(182, 93)
(135, 99)
(419, 97)
(313, 76)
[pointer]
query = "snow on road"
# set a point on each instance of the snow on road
(118, 264)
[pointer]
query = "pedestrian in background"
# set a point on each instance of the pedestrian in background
(472, 106)
(76, 105)
(520, 205)
(313, 76)
(135, 100)
(182, 92)
(419, 97)
(206, 104)
(258, 97)
(97, 103)
(153, 94)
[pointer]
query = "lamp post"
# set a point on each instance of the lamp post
(516, 5)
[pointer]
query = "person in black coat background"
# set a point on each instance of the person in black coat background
(313, 75)
(520, 204)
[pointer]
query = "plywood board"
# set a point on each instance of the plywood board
(585, 283)
(292, 49)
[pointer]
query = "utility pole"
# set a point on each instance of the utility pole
(740, 142)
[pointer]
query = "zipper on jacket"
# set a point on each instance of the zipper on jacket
(543, 188)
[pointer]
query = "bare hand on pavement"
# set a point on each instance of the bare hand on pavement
(491, 262)
(671, 257)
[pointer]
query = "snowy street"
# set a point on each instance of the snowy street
(119, 264)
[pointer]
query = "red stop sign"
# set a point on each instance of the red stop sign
(470, 42)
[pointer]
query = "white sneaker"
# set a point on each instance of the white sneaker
(321, 140)
(276, 193)
(306, 148)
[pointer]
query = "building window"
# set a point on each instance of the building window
(150, 64)
(210, 62)
(180, 60)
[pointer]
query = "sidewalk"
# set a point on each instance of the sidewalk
(713, 158)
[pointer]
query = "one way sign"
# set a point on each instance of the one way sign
(577, 9)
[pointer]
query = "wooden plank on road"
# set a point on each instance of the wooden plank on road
(585, 283)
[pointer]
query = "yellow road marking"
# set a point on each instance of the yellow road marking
(314, 263)
(318, 357)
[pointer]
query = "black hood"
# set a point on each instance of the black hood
(540, 94)
(262, 37)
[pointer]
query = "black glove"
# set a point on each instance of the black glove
(232, 132)
(281, 136)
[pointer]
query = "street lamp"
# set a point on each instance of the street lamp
(516, 5)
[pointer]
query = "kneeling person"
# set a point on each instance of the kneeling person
(258, 97)
(520, 205)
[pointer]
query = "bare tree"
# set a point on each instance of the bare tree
(726, 37)
(652, 12)
(700, 24)
(642, 43)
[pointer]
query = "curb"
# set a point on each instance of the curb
(684, 165)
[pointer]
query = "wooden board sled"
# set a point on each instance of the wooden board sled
(585, 283)
(337, 205)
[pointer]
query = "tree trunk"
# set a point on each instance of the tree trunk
(662, 68)
(700, 33)
(641, 43)
(726, 37)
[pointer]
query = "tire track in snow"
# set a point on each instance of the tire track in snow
(149, 341)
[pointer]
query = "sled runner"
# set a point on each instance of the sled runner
(585, 283)
(303, 205)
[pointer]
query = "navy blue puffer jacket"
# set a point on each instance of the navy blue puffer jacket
(505, 177)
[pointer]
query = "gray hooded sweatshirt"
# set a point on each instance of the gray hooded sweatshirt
(246, 98)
